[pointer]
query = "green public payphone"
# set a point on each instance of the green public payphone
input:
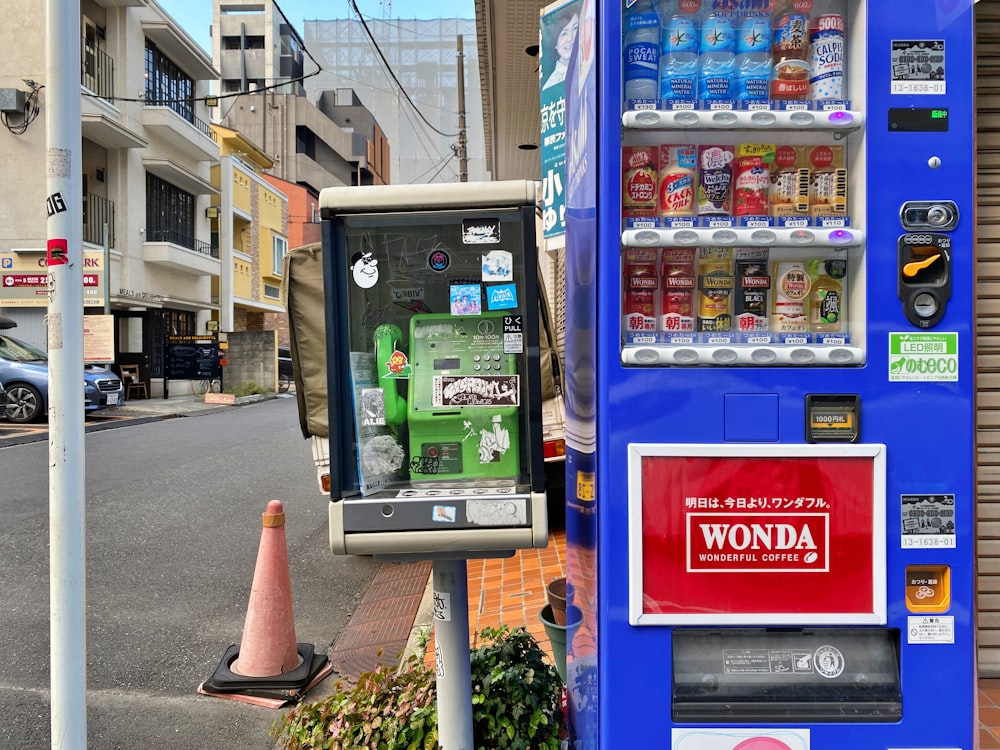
(463, 396)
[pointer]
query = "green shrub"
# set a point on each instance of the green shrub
(516, 693)
(516, 698)
(249, 388)
(388, 709)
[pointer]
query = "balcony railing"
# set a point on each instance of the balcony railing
(97, 71)
(184, 110)
(98, 211)
(183, 240)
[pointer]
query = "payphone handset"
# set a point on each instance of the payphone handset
(462, 396)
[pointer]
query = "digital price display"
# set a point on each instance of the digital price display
(918, 119)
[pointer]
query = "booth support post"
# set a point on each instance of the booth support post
(451, 653)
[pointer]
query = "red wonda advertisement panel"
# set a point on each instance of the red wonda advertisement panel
(777, 534)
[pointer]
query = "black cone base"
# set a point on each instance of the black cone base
(289, 686)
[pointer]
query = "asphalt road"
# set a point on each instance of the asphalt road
(173, 511)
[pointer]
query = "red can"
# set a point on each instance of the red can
(751, 185)
(677, 285)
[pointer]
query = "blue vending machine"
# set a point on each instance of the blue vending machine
(770, 375)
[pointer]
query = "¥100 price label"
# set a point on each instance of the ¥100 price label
(923, 357)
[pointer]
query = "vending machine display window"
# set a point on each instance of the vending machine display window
(742, 238)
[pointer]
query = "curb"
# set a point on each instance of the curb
(416, 644)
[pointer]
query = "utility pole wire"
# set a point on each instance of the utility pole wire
(392, 74)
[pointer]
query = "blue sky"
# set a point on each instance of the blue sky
(195, 16)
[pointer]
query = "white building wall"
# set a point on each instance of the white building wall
(135, 283)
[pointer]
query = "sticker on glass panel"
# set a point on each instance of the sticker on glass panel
(466, 299)
(480, 231)
(498, 265)
(364, 266)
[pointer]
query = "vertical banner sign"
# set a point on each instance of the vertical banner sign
(560, 23)
(785, 536)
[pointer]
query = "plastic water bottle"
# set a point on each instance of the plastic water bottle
(642, 52)
(678, 54)
(716, 63)
(753, 60)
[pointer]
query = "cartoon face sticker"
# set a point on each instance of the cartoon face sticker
(365, 269)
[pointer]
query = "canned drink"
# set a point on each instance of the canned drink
(640, 305)
(791, 296)
(826, 57)
(677, 282)
(715, 287)
(753, 283)
(641, 285)
(640, 178)
(751, 185)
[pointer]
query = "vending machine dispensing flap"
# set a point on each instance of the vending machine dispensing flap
(786, 675)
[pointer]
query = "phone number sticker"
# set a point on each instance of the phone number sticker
(923, 357)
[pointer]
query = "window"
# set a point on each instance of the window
(280, 248)
(305, 141)
(169, 213)
(168, 85)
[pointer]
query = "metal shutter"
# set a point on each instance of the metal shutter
(988, 334)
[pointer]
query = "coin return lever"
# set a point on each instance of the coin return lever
(924, 276)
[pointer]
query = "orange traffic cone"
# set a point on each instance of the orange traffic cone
(268, 646)
(269, 668)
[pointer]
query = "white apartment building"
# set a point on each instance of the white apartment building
(147, 155)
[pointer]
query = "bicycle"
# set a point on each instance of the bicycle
(203, 386)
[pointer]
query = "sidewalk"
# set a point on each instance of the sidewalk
(180, 406)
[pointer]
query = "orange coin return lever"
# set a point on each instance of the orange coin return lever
(911, 269)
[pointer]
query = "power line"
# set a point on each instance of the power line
(392, 74)
(446, 162)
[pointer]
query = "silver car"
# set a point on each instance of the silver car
(24, 373)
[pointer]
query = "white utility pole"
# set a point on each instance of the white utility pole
(64, 204)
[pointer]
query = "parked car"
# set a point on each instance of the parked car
(24, 372)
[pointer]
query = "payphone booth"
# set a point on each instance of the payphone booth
(770, 368)
(432, 369)
(432, 375)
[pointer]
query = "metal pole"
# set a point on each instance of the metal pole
(451, 639)
(107, 269)
(463, 159)
(64, 202)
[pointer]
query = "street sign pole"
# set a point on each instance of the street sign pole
(64, 256)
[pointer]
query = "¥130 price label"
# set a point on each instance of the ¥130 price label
(923, 357)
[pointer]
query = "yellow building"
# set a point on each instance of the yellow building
(250, 225)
